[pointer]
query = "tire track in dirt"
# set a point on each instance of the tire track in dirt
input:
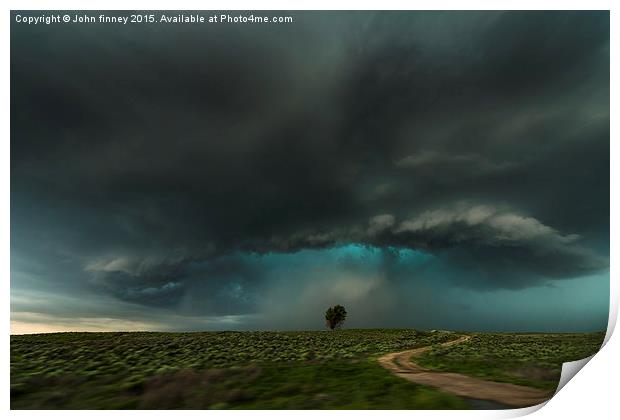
(512, 395)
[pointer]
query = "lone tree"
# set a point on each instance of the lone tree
(335, 316)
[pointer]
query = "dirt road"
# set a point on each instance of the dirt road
(400, 364)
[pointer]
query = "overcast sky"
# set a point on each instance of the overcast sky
(425, 169)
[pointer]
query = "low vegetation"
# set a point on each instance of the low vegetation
(294, 370)
(318, 369)
(525, 359)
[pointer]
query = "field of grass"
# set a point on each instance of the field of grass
(293, 370)
(218, 370)
(525, 359)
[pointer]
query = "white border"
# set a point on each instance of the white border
(593, 394)
(312, 5)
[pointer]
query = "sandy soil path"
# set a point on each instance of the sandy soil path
(400, 364)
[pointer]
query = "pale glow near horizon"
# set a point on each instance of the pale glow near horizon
(38, 324)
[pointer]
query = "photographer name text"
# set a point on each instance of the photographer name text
(149, 18)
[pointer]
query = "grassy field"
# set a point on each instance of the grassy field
(525, 359)
(260, 369)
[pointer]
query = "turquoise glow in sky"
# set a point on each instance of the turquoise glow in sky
(397, 163)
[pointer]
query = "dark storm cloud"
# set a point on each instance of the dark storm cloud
(147, 155)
